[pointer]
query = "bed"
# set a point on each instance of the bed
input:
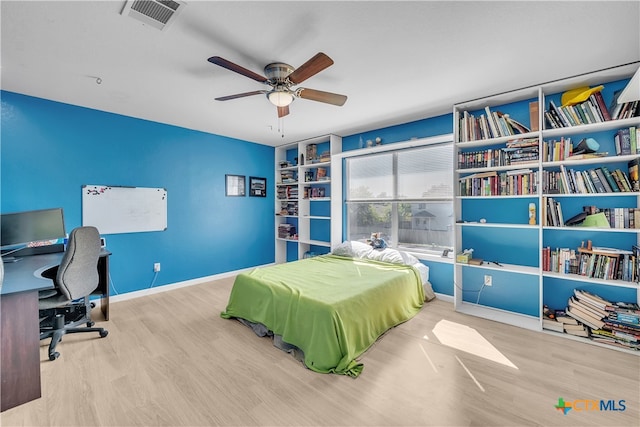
(331, 308)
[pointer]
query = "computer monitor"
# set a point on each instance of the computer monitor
(20, 228)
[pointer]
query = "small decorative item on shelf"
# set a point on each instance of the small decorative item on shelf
(312, 152)
(532, 213)
(464, 256)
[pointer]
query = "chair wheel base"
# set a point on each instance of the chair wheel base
(54, 355)
(104, 333)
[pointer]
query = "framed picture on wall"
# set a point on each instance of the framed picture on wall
(235, 185)
(257, 186)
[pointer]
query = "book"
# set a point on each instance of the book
(563, 317)
(610, 180)
(493, 125)
(622, 141)
(552, 325)
(603, 181)
(534, 112)
(584, 317)
(595, 179)
(558, 115)
(577, 330)
(515, 125)
(623, 180)
(588, 308)
(587, 156)
(634, 175)
(591, 298)
(602, 106)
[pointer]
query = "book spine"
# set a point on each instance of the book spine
(610, 180)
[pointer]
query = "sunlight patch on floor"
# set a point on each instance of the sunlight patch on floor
(467, 339)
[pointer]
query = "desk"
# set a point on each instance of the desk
(19, 323)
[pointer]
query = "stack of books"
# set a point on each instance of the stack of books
(286, 231)
(325, 156)
(560, 321)
(288, 177)
(615, 324)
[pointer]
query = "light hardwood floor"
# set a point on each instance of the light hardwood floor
(171, 360)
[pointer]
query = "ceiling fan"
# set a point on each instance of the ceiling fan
(282, 77)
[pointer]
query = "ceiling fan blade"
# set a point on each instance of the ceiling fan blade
(237, 68)
(310, 68)
(241, 95)
(320, 96)
(283, 111)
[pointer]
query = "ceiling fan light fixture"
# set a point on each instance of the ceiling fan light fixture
(280, 98)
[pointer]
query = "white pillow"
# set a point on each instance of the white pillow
(353, 249)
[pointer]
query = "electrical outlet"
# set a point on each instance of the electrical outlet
(156, 267)
(488, 280)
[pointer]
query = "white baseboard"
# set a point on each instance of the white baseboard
(444, 297)
(197, 281)
(171, 286)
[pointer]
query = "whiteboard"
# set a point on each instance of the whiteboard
(113, 209)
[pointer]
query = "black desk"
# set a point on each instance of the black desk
(19, 323)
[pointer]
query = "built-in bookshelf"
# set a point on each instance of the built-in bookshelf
(303, 197)
(544, 175)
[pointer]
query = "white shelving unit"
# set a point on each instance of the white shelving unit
(308, 197)
(482, 217)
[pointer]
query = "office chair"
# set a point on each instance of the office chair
(65, 308)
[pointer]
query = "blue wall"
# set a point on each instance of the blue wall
(424, 128)
(50, 149)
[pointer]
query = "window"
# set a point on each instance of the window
(406, 195)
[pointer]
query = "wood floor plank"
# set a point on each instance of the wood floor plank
(170, 359)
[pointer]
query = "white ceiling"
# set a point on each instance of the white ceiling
(397, 61)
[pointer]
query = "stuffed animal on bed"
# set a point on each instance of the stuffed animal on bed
(377, 242)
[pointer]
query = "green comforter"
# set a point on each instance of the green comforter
(332, 308)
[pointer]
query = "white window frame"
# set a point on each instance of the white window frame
(339, 212)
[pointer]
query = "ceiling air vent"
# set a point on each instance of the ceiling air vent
(156, 13)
